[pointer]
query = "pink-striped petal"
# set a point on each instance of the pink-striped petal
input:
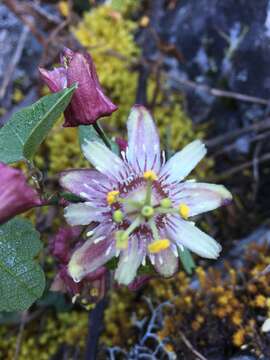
(93, 254)
(88, 184)
(201, 197)
(143, 151)
(82, 214)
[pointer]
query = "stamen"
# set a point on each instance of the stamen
(112, 197)
(166, 203)
(150, 175)
(158, 245)
(123, 235)
(154, 229)
(184, 211)
(118, 216)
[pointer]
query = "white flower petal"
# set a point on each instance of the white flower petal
(183, 162)
(202, 197)
(103, 159)
(186, 234)
(143, 140)
(82, 214)
(129, 262)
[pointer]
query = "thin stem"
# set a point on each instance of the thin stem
(102, 135)
(95, 329)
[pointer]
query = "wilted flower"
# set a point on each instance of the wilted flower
(16, 196)
(88, 103)
(141, 203)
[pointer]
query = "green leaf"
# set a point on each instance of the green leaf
(187, 260)
(22, 280)
(71, 197)
(24, 132)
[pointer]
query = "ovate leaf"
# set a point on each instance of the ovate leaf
(24, 132)
(22, 280)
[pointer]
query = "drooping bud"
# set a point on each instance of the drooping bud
(88, 103)
(16, 196)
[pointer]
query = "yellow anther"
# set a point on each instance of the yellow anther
(184, 211)
(150, 175)
(158, 245)
(112, 196)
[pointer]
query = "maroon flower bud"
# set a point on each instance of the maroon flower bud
(62, 243)
(139, 281)
(88, 103)
(122, 143)
(16, 196)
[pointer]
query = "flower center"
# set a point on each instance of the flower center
(140, 207)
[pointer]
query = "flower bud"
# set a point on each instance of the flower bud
(88, 103)
(16, 196)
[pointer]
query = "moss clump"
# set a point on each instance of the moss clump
(223, 311)
(42, 338)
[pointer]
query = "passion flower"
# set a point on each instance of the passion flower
(141, 203)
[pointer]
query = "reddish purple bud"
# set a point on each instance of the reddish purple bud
(122, 143)
(16, 196)
(88, 103)
(139, 281)
(62, 243)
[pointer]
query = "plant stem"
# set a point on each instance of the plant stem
(102, 134)
(95, 328)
